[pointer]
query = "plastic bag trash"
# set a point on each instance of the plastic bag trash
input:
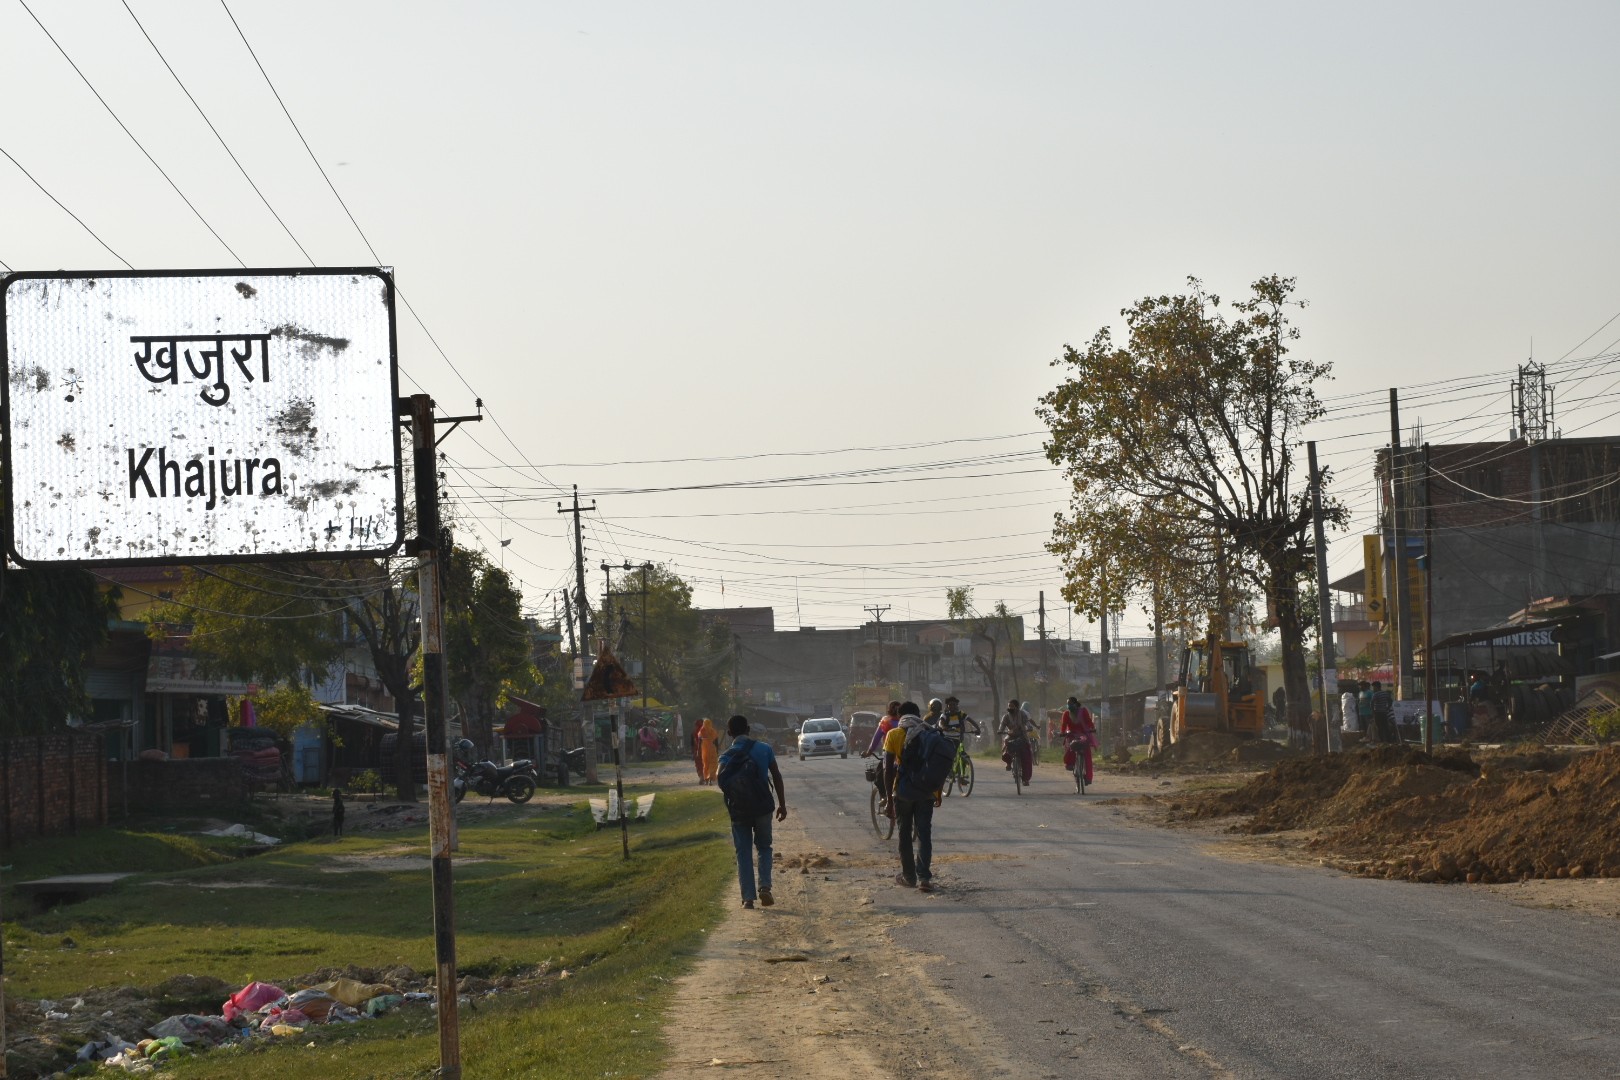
(313, 1003)
(285, 1030)
(104, 1047)
(131, 1060)
(343, 1014)
(166, 1047)
(251, 998)
(382, 1003)
(57, 1016)
(191, 1028)
(276, 1017)
(353, 992)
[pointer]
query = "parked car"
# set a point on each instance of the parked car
(824, 735)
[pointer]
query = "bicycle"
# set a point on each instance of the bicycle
(882, 821)
(1078, 745)
(961, 776)
(1017, 764)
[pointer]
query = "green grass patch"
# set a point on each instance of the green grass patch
(537, 891)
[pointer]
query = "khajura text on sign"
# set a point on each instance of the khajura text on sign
(165, 360)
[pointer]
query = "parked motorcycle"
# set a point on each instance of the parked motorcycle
(516, 781)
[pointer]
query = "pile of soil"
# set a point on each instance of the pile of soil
(1395, 812)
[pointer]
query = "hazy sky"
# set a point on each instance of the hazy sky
(824, 232)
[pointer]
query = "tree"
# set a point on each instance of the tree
(271, 622)
(487, 643)
(1203, 412)
(993, 629)
(282, 709)
(663, 637)
(51, 620)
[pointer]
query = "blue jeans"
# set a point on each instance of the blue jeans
(747, 837)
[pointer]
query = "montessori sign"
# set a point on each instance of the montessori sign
(200, 416)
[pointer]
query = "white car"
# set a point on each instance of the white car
(824, 736)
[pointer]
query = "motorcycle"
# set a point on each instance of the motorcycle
(516, 781)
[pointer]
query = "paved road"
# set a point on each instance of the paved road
(1112, 948)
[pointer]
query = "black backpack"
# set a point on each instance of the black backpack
(745, 790)
(925, 763)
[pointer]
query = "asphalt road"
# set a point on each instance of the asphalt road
(1101, 946)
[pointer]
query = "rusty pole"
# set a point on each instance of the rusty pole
(434, 703)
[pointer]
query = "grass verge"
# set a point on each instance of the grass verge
(538, 892)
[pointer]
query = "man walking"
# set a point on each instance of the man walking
(1383, 719)
(747, 773)
(913, 802)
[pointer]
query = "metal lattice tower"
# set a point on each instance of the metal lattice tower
(1533, 403)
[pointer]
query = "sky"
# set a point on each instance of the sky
(778, 286)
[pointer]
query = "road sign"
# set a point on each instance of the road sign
(200, 416)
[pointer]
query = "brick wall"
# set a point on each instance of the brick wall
(51, 785)
(167, 785)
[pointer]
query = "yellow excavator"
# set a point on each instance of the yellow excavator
(1218, 691)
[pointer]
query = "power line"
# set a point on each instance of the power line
(131, 135)
(65, 210)
(240, 168)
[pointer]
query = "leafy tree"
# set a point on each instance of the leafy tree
(282, 709)
(1203, 413)
(665, 635)
(487, 643)
(270, 622)
(51, 620)
(994, 629)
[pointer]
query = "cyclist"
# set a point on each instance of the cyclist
(1015, 730)
(1079, 734)
(886, 772)
(955, 725)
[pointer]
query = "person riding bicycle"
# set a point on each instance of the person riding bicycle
(1015, 730)
(955, 723)
(887, 726)
(1079, 733)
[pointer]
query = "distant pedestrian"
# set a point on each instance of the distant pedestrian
(748, 772)
(705, 751)
(1383, 715)
(337, 812)
(1350, 713)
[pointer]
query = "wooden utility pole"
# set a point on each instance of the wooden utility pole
(1400, 590)
(1428, 602)
(1043, 675)
(1323, 607)
(877, 616)
(583, 610)
(429, 550)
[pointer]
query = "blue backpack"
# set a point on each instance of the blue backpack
(742, 783)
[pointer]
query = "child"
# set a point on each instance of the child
(337, 812)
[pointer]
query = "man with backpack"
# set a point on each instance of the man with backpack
(747, 773)
(924, 757)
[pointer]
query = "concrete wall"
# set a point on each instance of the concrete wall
(170, 785)
(51, 785)
(811, 669)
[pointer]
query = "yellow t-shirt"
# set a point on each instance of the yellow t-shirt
(894, 742)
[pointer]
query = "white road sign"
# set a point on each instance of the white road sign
(200, 416)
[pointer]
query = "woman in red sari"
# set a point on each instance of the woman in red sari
(1079, 733)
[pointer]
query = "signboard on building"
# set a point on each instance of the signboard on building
(200, 416)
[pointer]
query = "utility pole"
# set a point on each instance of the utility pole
(1043, 676)
(1399, 587)
(428, 548)
(646, 667)
(1323, 608)
(582, 603)
(1428, 602)
(736, 670)
(877, 616)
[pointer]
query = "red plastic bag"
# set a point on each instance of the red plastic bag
(251, 998)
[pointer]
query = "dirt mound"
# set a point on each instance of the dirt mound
(1397, 812)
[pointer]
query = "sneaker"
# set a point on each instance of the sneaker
(901, 879)
(748, 903)
(925, 885)
(765, 898)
